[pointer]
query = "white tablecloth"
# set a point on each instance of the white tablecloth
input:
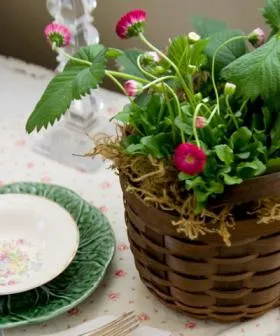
(121, 291)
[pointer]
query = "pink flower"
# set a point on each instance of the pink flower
(104, 208)
(257, 37)
(190, 325)
(133, 88)
(120, 273)
(189, 159)
(57, 34)
(123, 247)
(143, 317)
(113, 296)
(131, 24)
(73, 312)
(200, 122)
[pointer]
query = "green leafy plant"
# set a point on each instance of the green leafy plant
(208, 107)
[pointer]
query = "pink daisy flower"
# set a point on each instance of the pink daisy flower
(133, 88)
(257, 37)
(200, 122)
(58, 34)
(189, 159)
(131, 24)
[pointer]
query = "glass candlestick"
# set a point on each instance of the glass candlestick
(84, 117)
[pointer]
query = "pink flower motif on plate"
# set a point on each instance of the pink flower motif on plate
(30, 165)
(46, 179)
(104, 208)
(105, 185)
(114, 296)
(120, 273)
(17, 261)
(190, 325)
(143, 317)
(123, 247)
(20, 142)
(73, 312)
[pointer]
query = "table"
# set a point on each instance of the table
(20, 87)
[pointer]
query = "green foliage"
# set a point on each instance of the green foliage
(224, 153)
(227, 54)
(127, 62)
(240, 134)
(206, 27)
(113, 53)
(74, 82)
(182, 54)
(271, 13)
(257, 74)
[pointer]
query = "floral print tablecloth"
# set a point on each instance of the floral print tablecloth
(121, 290)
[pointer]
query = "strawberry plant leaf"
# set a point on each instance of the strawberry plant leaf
(127, 62)
(206, 27)
(271, 12)
(75, 81)
(257, 73)
(229, 53)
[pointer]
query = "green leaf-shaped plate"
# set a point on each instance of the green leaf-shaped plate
(78, 281)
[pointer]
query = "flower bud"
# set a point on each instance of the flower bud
(193, 37)
(152, 56)
(257, 37)
(229, 89)
(200, 122)
(133, 88)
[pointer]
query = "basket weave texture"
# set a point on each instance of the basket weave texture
(204, 278)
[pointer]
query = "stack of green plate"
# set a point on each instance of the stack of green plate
(79, 280)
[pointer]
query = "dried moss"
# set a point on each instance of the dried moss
(156, 183)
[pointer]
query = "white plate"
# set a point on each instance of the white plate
(38, 240)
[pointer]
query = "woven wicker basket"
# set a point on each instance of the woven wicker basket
(206, 279)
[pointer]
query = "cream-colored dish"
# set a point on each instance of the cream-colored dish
(38, 240)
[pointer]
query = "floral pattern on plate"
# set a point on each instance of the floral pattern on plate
(18, 260)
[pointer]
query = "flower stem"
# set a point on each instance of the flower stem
(231, 113)
(142, 69)
(212, 114)
(178, 107)
(158, 80)
(117, 83)
(235, 38)
(151, 46)
(170, 112)
(78, 60)
(197, 109)
(126, 76)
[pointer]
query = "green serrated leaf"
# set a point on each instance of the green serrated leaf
(75, 81)
(127, 62)
(179, 52)
(206, 27)
(113, 52)
(184, 176)
(224, 153)
(257, 73)
(231, 180)
(230, 52)
(243, 156)
(273, 165)
(240, 138)
(88, 78)
(251, 169)
(123, 116)
(271, 12)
